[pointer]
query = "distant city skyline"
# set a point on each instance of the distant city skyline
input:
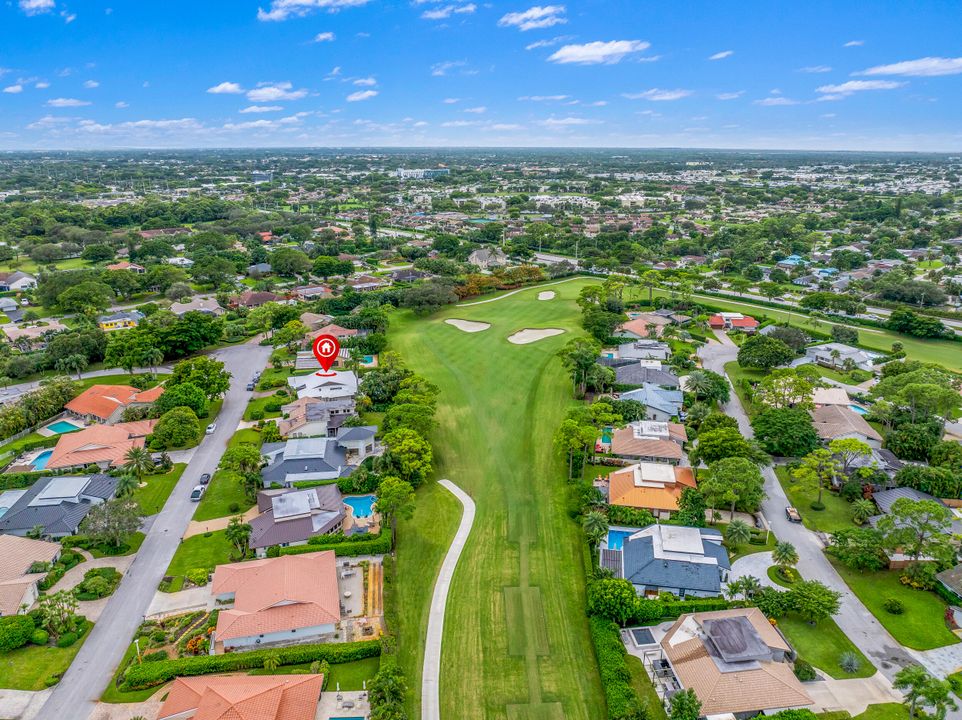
(440, 73)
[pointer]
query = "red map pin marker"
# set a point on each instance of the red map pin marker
(326, 348)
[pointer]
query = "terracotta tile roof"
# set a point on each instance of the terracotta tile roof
(335, 330)
(638, 326)
(103, 400)
(17, 554)
(99, 443)
(652, 486)
(762, 685)
(624, 442)
(124, 265)
(835, 421)
(277, 594)
(240, 697)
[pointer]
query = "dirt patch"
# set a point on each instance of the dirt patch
(546, 295)
(530, 335)
(469, 326)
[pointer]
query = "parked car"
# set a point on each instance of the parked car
(205, 478)
(250, 386)
(211, 428)
(792, 514)
(197, 493)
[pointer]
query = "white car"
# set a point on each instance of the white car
(211, 428)
(197, 493)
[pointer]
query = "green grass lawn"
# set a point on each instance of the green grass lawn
(349, 676)
(842, 377)
(200, 551)
(822, 645)
(884, 711)
(225, 489)
(920, 627)
(646, 691)
(151, 498)
(516, 637)
(735, 373)
(132, 546)
(837, 514)
(28, 667)
(247, 435)
(259, 404)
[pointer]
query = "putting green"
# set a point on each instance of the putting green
(516, 642)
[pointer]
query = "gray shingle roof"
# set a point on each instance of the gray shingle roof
(641, 567)
(638, 374)
(57, 519)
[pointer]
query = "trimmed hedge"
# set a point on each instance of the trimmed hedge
(381, 545)
(649, 610)
(622, 700)
(15, 632)
(150, 674)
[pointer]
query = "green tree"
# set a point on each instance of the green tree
(272, 661)
(761, 351)
(203, 372)
(579, 356)
(912, 680)
(784, 555)
(725, 442)
(184, 394)
(785, 431)
(410, 455)
(127, 484)
(708, 386)
(785, 388)
(241, 458)
(238, 534)
(58, 612)
(176, 428)
(137, 460)
(848, 450)
(738, 533)
(73, 364)
(859, 548)
(289, 262)
(814, 601)
(862, 510)
(595, 525)
(112, 523)
(395, 501)
(685, 705)
(917, 528)
(816, 470)
(613, 599)
(570, 437)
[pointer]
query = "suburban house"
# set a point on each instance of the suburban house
(653, 486)
(488, 257)
(18, 586)
(102, 445)
(368, 283)
(645, 372)
(885, 499)
(243, 697)
(255, 298)
(313, 417)
(340, 385)
(638, 327)
(124, 265)
(733, 321)
(258, 269)
(180, 262)
(685, 561)
(57, 504)
(833, 422)
(736, 662)
(950, 579)
(288, 599)
(317, 458)
(31, 333)
(639, 350)
(837, 355)
(312, 292)
(314, 321)
(206, 305)
(291, 517)
(830, 396)
(163, 232)
(120, 320)
(661, 404)
(646, 440)
(408, 275)
(106, 403)
(334, 330)
(17, 281)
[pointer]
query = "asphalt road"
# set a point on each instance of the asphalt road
(12, 392)
(75, 695)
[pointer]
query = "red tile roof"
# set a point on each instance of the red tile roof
(243, 697)
(102, 400)
(99, 443)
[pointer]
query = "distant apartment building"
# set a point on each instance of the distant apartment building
(420, 173)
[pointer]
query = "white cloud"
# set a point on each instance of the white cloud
(461, 123)
(66, 102)
(226, 88)
(446, 11)
(776, 101)
(272, 92)
(854, 43)
(505, 126)
(14, 89)
(923, 67)
(547, 43)
(852, 86)
(721, 55)
(324, 37)
(91, 84)
(442, 68)
(815, 69)
(42, 85)
(36, 7)
(543, 98)
(568, 121)
(283, 9)
(598, 52)
(730, 95)
(120, 105)
(261, 108)
(451, 101)
(535, 18)
(365, 82)
(361, 95)
(479, 110)
(68, 17)
(658, 95)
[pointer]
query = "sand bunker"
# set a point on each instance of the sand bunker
(530, 335)
(469, 325)
(546, 295)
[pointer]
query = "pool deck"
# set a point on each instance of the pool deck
(331, 705)
(47, 432)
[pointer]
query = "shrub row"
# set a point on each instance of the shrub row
(649, 610)
(381, 545)
(621, 698)
(150, 674)
(15, 481)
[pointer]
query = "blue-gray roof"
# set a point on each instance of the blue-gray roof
(641, 567)
(61, 518)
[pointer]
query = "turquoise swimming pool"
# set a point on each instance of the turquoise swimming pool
(362, 505)
(40, 462)
(616, 538)
(859, 409)
(62, 426)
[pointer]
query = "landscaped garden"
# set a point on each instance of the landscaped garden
(824, 645)
(837, 514)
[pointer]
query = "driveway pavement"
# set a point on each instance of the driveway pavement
(75, 695)
(755, 565)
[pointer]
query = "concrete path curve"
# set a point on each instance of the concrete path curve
(431, 671)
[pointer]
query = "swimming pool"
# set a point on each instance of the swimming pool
(616, 538)
(857, 408)
(368, 359)
(62, 426)
(40, 462)
(362, 505)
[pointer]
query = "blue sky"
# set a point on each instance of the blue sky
(208, 73)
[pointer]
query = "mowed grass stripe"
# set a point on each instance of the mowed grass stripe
(499, 406)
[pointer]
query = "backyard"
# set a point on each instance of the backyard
(516, 638)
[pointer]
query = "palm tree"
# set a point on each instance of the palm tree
(127, 484)
(272, 661)
(785, 556)
(238, 534)
(153, 358)
(699, 383)
(138, 461)
(36, 532)
(737, 533)
(73, 363)
(862, 510)
(595, 525)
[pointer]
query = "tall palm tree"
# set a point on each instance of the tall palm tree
(785, 556)
(595, 525)
(738, 533)
(862, 510)
(127, 484)
(138, 461)
(699, 383)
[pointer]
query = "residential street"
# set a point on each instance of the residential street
(12, 392)
(74, 697)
